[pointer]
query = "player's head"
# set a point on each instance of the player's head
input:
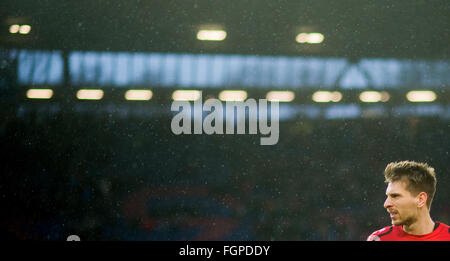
(411, 187)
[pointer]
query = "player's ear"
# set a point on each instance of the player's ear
(422, 199)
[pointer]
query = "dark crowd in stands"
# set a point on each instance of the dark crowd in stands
(104, 177)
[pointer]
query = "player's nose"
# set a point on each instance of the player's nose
(387, 203)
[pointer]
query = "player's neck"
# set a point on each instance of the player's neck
(423, 225)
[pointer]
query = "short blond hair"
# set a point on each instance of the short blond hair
(420, 177)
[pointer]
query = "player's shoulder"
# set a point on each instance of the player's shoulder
(377, 235)
(441, 232)
(444, 226)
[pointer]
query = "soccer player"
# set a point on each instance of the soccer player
(410, 190)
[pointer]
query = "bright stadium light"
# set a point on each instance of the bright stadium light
(421, 96)
(25, 29)
(211, 35)
(302, 38)
(311, 38)
(233, 95)
(315, 38)
(325, 96)
(186, 95)
(373, 96)
(321, 96)
(385, 96)
(138, 95)
(90, 94)
(39, 93)
(280, 96)
(14, 29)
(336, 96)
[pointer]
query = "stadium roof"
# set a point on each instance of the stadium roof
(352, 28)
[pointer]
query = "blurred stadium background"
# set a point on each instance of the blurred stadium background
(364, 82)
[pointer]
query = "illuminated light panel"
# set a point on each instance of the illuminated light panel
(138, 95)
(211, 35)
(336, 96)
(280, 96)
(302, 38)
(311, 38)
(373, 96)
(233, 95)
(90, 94)
(421, 96)
(325, 96)
(315, 38)
(25, 29)
(186, 95)
(321, 96)
(39, 93)
(14, 29)
(385, 96)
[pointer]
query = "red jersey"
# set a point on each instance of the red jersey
(441, 232)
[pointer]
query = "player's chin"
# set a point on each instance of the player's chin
(396, 222)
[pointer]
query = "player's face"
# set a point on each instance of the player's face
(401, 204)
